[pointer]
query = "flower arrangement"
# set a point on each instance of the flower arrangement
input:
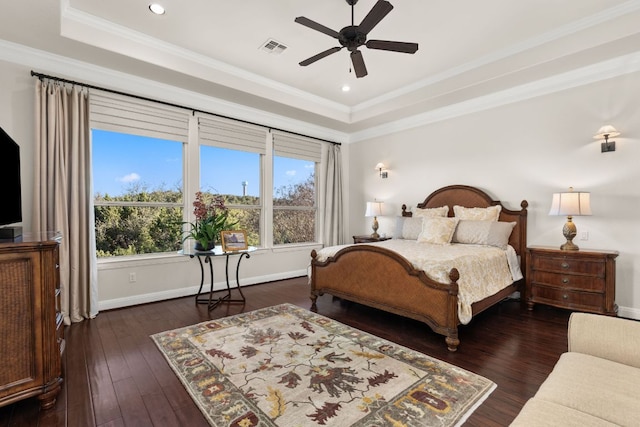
(211, 219)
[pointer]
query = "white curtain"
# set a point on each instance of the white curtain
(333, 209)
(62, 192)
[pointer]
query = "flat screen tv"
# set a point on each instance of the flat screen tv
(11, 205)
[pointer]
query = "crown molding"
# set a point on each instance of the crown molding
(604, 70)
(72, 69)
(99, 76)
(534, 42)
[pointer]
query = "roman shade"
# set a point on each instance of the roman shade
(125, 114)
(232, 134)
(297, 147)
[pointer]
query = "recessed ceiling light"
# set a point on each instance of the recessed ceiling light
(156, 8)
(346, 88)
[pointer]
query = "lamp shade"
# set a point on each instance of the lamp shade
(373, 209)
(607, 130)
(572, 203)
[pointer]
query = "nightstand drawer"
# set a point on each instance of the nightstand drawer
(569, 281)
(568, 299)
(595, 267)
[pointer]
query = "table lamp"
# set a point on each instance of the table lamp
(571, 203)
(374, 209)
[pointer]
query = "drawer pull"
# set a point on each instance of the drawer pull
(565, 280)
(565, 296)
(564, 265)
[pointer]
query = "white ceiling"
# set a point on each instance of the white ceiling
(467, 49)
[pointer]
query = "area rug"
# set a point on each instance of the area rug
(286, 366)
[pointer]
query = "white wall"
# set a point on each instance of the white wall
(525, 150)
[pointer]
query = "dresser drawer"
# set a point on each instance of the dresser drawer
(569, 281)
(593, 267)
(568, 299)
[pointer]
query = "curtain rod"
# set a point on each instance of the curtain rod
(41, 76)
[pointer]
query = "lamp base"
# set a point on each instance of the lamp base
(569, 232)
(374, 226)
(569, 246)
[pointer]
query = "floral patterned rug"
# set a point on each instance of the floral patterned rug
(286, 366)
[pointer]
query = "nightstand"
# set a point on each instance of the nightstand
(368, 239)
(582, 280)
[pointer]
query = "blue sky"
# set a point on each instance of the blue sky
(120, 160)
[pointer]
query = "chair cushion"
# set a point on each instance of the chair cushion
(595, 386)
(540, 413)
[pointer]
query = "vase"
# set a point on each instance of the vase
(199, 247)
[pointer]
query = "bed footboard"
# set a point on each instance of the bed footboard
(380, 278)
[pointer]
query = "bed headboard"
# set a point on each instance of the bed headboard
(471, 197)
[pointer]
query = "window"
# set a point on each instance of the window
(145, 160)
(295, 210)
(231, 158)
(294, 201)
(137, 169)
(236, 176)
(138, 194)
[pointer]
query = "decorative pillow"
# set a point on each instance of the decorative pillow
(437, 230)
(409, 228)
(493, 233)
(492, 213)
(431, 212)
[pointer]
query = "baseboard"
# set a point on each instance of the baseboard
(191, 290)
(629, 313)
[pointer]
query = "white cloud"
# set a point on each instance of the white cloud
(291, 173)
(130, 178)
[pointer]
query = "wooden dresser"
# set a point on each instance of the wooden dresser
(583, 280)
(31, 325)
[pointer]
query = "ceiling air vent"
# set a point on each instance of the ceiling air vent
(272, 46)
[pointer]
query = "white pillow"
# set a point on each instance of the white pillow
(492, 213)
(437, 230)
(430, 212)
(493, 233)
(409, 228)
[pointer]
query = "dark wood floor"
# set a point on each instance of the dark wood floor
(115, 376)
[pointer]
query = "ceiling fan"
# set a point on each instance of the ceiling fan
(354, 36)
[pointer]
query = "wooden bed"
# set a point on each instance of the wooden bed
(383, 279)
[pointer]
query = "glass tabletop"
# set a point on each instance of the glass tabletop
(217, 251)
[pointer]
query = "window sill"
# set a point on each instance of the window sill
(140, 260)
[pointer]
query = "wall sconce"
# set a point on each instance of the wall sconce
(382, 169)
(606, 132)
(571, 204)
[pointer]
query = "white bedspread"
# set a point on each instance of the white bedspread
(484, 270)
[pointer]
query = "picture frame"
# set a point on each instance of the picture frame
(234, 240)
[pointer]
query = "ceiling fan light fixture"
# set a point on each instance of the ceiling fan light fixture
(157, 8)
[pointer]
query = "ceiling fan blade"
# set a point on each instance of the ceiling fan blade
(321, 55)
(315, 26)
(403, 47)
(375, 15)
(358, 63)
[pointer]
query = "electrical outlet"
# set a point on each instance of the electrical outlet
(584, 235)
(132, 277)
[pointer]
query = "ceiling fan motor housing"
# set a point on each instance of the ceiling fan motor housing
(351, 38)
